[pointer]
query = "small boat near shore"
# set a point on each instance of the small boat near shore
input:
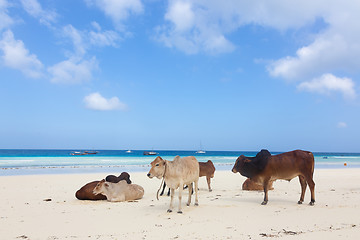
(150, 153)
(84, 153)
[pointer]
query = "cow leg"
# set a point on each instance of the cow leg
(180, 196)
(196, 192)
(266, 188)
(171, 200)
(311, 184)
(190, 192)
(168, 192)
(208, 182)
(303, 189)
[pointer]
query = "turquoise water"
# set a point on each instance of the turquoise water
(19, 162)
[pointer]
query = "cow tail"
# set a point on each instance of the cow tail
(157, 193)
(313, 158)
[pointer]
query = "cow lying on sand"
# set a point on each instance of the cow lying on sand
(176, 174)
(249, 185)
(120, 191)
(86, 192)
(205, 169)
(265, 168)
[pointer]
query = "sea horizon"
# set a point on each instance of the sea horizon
(60, 161)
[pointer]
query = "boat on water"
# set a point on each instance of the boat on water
(150, 153)
(129, 151)
(200, 152)
(84, 153)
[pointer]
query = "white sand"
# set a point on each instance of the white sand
(226, 213)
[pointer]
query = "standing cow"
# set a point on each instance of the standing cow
(205, 169)
(265, 168)
(176, 174)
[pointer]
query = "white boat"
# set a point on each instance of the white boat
(201, 151)
(150, 153)
(129, 151)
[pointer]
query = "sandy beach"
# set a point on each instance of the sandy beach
(44, 207)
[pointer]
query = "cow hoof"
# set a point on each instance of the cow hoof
(264, 203)
(179, 212)
(210, 190)
(169, 210)
(196, 204)
(312, 203)
(188, 204)
(300, 202)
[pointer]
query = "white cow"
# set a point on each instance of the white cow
(177, 173)
(119, 192)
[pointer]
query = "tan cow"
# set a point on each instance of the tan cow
(119, 192)
(177, 173)
(205, 169)
(250, 185)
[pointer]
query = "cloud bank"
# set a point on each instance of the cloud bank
(205, 26)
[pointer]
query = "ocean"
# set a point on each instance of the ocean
(25, 162)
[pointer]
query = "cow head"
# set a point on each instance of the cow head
(239, 164)
(157, 168)
(100, 187)
(250, 166)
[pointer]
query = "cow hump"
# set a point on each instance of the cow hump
(261, 159)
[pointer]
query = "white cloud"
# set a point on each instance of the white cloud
(103, 38)
(328, 84)
(193, 27)
(33, 8)
(118, 10)
(77, 39)
(97, 102)
(73, 71)
(181, 14)
(5, 19)
(82, 40)
(342, 125)
(16, 56)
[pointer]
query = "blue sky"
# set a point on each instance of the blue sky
(150, 74)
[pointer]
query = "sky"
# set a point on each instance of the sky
(231, 75)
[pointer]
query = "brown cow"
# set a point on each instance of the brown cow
(86, 192)
(206, 169)
(249, 185)
(264, 168)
